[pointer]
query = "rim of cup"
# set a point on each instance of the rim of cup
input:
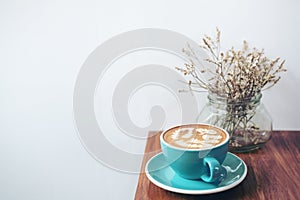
(194, 124)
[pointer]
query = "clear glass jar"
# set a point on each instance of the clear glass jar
(247, 122)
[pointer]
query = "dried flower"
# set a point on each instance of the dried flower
(238, 74)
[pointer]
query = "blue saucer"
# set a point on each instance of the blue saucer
(160, 174)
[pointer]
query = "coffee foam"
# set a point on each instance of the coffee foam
(194, 136)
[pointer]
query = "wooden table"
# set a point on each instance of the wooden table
(273, 172)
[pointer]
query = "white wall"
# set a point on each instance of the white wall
(42, 47)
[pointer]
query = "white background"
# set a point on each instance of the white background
(42, 47)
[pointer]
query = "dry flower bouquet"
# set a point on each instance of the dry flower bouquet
(234, 83)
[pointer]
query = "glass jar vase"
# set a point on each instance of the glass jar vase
(247, 122)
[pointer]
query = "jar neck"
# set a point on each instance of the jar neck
(216, 99)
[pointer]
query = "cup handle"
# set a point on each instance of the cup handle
(216, 172)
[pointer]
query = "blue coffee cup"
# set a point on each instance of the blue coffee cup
(201, 162)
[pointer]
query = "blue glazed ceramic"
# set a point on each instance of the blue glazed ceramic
(204, 163)
(161, 174)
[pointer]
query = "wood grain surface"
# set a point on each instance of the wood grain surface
(273, 172)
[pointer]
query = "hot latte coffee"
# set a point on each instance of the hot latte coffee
(194, 136)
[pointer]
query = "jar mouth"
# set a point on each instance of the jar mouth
(216, 98)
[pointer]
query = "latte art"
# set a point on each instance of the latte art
(194, 136)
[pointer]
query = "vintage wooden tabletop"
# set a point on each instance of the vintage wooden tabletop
(273, 172)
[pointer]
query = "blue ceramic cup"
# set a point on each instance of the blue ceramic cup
(196, 151)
